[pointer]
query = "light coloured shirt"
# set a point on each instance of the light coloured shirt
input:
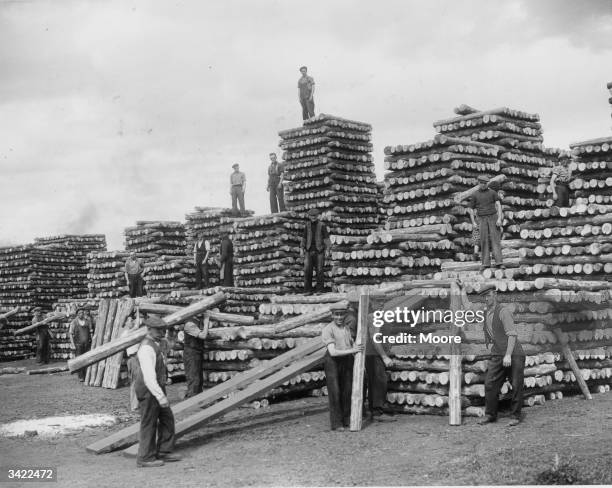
(146, 358)
(237, 178)
(206, 246)
(133, 349)
(305, 84)
(133, 266)
(192, 329)
(340, 336)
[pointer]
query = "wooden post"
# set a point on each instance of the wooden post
(569, 357)
(51, 318)
(359, 363)
(454, 386)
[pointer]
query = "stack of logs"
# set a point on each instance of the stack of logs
(610, 99)
(267, 251)
(592, 175)
(61, 347)
(171, 270)
(106, 276)
(208, 223)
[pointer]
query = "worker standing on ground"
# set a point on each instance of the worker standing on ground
(43, 337)
(193, 354)
(559, 183)
(275, 185)
(156, 438)
(314, 247)
(133, 367)
(134, 270)
(507, 357)
(338, 365)
(81, 333)
(376, 363)
(227, 260)
(306, 89)
(201, 257)
(487, 203)
(237, 189)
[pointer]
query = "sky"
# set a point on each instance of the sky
(118, 111)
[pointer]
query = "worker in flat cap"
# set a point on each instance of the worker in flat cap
(134, 271)
(507, 359)
(306, 89)
(376, 363)
(81, 333)
(226, 260)
(237, 189)
(156, 438)
(314, 248)
(275, 185)
(487, 204)
(43, 337)
(338, 365)
(202, 261)
(560, 179)
(196, 330)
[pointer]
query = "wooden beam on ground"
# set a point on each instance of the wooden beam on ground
(129, 435)
(51, 370)
(359, 363)
(251, 392)
(455, 373)
(569, 357)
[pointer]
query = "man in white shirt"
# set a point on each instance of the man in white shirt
(156, 438)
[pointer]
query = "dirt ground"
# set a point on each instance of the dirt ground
(414, 450)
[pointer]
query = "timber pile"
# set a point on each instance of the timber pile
(592, 170)
(610, 99)
(61, 348)
(328, 165)
(166, 240)
(425, 222)
(267, 251)
(16, 291)
(208, 223)
(106, 276)
(111, 321)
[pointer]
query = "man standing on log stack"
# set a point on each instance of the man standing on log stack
(559, 183)
(338, 365)
(306, 89)
(227, 260)
(81, 332)
(156, 438)
(507, 358)
(376, 363)
(488, 207)
(314, 248)
(133, 275)
(201, 256)
(237, 189)
(193, 354)
(43, 337)
(275, 185)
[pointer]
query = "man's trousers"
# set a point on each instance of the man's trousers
(307, 108)
(496, 376)
(202, 276)
(314, 259)
(237, 198)
(81, 349)
(277, 199)
(339, 379)
(43, 348)
(563, 196)
(192, 359)
(376, 381)
(135, 284)
(156, 429)
(489, 232)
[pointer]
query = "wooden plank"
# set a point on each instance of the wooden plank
(569, 357)
(96, 341)
(455, 373)
(359, 363)
(52, 318)
(129, 435)
(253, 391)
(108, 330)
(113, 364)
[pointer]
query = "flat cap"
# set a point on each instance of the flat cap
(155, 323)
(486, 288)
(36, 309)
(338, 307)
(313, 211)
(235, 165)
(483, 178)
(303, 67)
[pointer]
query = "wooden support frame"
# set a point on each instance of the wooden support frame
(359, 363)
(455, 373)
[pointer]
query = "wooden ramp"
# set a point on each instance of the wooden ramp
(270, 374)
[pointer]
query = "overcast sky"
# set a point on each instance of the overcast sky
(115, 111)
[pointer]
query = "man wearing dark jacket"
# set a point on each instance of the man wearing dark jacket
(193, 354)
(81, 333)
(227, 261)
(43, 338)
(314, 248)
(275, 185)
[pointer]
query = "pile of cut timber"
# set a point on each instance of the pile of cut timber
(610, 99)
(111, 321)
(61, 347)
(267, 251)
(166, 240)
(208, 223)
(592, 175)
(106, 276)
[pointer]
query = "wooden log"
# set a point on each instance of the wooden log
(359, 363)
(569, 357)
(455, 375)
(51, 370)
(129, 435)
(303, 319)
(253, 391)
(52, 318)
(10, 313)
(108, 330)
(497, 180)
(103, 308)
